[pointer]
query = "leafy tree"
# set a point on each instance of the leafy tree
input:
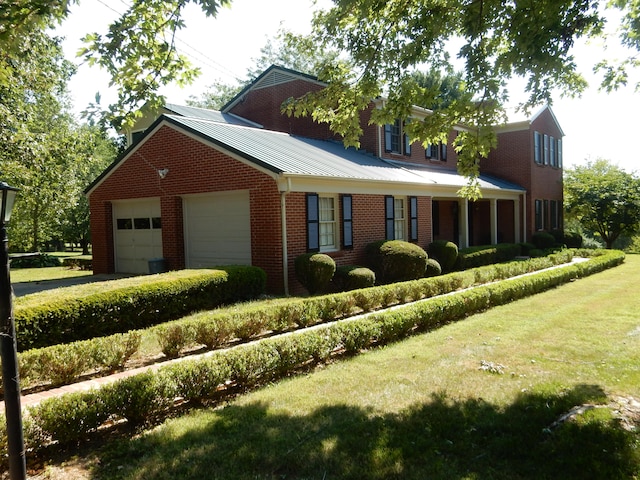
(604, 199)
(386, 41)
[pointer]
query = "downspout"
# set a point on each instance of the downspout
(283, 223)
(524, 216)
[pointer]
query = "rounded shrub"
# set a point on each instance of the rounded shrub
(352, 277)
(573, 239)
(396, 260)
(543, 240)
(314, 271)
(433, 268)
(444, 252)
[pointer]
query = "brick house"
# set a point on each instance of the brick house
(248, 185)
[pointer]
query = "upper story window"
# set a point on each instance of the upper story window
(547, 150)
(436, 152)
(395, 139)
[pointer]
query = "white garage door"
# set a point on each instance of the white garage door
(138, 234)
(217, 229)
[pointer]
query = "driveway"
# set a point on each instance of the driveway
(25, 288)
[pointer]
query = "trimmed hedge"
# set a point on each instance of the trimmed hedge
(444, 252)
(352, 277)
(473, 257)
(214, 329)
(149, 397)
(118, 308)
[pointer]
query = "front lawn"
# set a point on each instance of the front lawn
(481, 398)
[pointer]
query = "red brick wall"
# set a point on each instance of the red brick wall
(193, 168)
(368, 226)
(263, 106)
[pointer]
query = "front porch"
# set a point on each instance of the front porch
(488, 221)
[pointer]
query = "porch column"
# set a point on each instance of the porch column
(464, 222)
(516, 219)
(493, 215)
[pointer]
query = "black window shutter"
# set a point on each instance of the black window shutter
(389, 218)
(387, 138)
(413, 225)
(347, 221)
(407, 145)
(313, 222)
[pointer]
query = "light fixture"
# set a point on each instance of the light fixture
(163, 172)
(8, 346)
(6, 203)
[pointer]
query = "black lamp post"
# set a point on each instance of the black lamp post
(8, 346)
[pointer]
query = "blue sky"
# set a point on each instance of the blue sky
(596, 125)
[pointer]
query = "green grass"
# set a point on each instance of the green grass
(425, 408)
(19, 275)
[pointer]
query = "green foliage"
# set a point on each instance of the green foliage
(486, 255)
(433, 268)
(115, 310)
(396, 260)
(351, 277)
(572, 239)
(445, 252)
(146, 398)
(173, 338)
(604, 199)
(386, 42)
(543, 240)
(41, 260)
(315, 271)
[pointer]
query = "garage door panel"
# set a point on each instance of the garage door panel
(218, 229)
(137, 236)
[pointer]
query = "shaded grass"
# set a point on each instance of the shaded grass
(424, 408)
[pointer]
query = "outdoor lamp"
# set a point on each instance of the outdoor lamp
(8, 346)
(6, 205)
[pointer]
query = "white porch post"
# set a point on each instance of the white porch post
(493, 213)
(464, 223)
(516, 219)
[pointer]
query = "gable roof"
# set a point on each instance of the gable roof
(285, 155)
(274, 75)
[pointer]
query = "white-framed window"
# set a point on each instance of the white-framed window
(399, 218)
(328, 223)
(546, 149)
(537, 147)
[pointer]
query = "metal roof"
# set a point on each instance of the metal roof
(206, 114)
(285, 154)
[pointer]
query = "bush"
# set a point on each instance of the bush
(444, 252)
(543, 240)
(121, 306)
(573, 240)
(433, 268)
(350, 277)
(473, 257)
(315, 271)
(39, 260)
(396, 260)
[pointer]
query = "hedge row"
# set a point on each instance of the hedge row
(474, 257)
(149, 397)
(63, 364)
(119, 309)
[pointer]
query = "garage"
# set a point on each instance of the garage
(138, 234)
(217, 229)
